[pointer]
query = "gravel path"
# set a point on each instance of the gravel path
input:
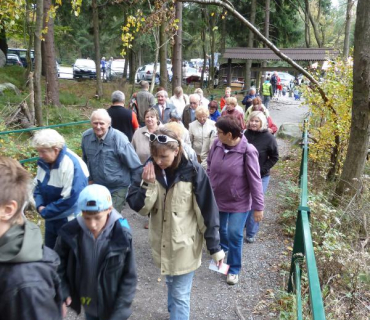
(211, 297)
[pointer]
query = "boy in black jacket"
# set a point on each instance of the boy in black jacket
(97, 262)
(29, 283)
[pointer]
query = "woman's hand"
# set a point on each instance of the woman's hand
(65, 305)
(148, 173)
(258, 216)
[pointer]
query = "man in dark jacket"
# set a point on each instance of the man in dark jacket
(123, 119)
(97, 260)
(189, 111)
(29, 283)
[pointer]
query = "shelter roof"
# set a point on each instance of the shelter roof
(297, 54)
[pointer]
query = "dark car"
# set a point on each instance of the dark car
(84, 68)
(22, 54)
(13, 60)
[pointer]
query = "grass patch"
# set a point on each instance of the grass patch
(13, 74)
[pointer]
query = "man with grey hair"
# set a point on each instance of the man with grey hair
(61, 176)
(123, 119)
(163, 108)
(145, 100)
(110, 157)
(188, 115)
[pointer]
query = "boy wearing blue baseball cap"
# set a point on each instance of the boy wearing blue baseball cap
(97, 267)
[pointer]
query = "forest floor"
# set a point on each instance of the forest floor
(261, 278)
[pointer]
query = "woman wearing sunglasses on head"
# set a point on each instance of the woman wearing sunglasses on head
(183, 211)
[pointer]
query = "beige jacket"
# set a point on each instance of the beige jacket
(178, 226)
(201, 134)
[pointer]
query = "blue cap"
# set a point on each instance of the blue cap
(94, 198)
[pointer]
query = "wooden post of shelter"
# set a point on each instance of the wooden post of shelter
(229, 72)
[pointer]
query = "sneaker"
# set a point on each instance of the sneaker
(232, 279)
(250, 240)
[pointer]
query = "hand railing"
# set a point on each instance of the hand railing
(303, 246)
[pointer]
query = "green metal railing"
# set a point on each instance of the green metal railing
(303, 246)
(40, 128)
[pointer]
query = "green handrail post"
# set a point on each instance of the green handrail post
(303, 245)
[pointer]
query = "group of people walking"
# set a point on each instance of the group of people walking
(197, 170)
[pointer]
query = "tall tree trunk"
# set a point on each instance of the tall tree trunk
(307, 31)
(223, 35)
(248, 65)
(38, 62)
(347, 29)
(203, 37)
(132, 64)
(51, 73)
(177, 50)
(163, 55)
(95, 12)
(266, 31)
(30, 8)
(360, 122)
(3, 42)
(315, 25)
(211, 70)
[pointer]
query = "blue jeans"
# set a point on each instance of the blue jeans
(266, 101)
(51, 231)
(251, 225)
(179, 289)
(231, 236)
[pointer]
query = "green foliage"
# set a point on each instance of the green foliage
(13, 74)
(333, 119)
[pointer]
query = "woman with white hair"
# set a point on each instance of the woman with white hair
(179, 100)
(61, 176)
(203, 101)
(201, 130)
(257, 133)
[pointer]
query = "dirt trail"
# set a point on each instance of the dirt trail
(211, 297)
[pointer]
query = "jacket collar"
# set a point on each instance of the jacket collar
(240, 147)
(57, 162)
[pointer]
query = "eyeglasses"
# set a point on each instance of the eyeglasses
(161, 138)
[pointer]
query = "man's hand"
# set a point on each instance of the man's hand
(149, 173)
(65, 305)
(258, 216)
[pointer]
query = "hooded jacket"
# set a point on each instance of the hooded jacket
(267, 148)
(182, 214)
(29, 283)
(235, 177)
(113, 266)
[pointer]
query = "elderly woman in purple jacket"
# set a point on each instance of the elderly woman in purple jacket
(234, 173)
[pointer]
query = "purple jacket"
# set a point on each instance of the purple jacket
(237, 185)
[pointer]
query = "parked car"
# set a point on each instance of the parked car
(117, 68)
(13, 60)
(146, 72)
(22, 54)
(84, 68)
(58, 68)
(285, 78)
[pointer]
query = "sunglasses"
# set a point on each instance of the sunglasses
(161, 138)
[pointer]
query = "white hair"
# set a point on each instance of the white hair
(162, 92)
(48, 138)
(103, 114)
(194, 95)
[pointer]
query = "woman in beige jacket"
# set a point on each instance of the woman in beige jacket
(201, 130)
(183, 212)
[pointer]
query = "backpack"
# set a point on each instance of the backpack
(273, 79)
(133, 104)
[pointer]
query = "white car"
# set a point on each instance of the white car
(116, 69)
(146, 72)
(84, 68)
